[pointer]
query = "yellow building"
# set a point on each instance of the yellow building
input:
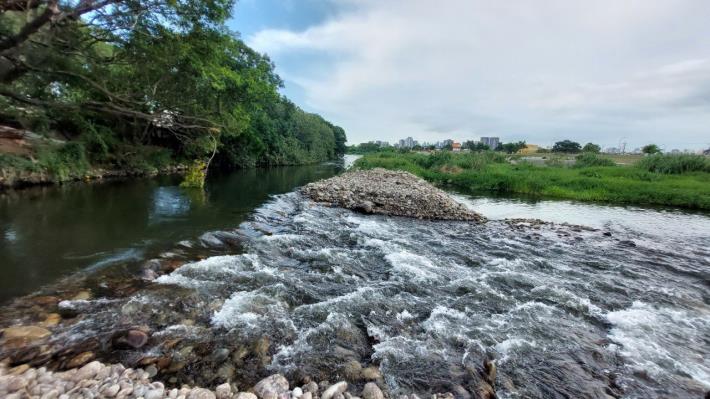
(529, 149)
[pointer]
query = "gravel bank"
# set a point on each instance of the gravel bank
(388, 192)
(98, 380)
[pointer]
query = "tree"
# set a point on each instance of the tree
(567, 146)
(650, 149)
(590, 147)
(475, 146)
(511, 148)
(115, 74)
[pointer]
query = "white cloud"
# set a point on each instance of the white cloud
(535, 70)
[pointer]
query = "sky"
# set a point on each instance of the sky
(603, 71)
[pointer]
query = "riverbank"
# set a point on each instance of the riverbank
(484, 172)
(17, 178)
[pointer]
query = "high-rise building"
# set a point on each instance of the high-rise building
(491, 142)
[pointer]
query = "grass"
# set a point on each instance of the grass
(489, 173)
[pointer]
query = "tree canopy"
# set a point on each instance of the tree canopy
(567, 146)
(651, 149)
(591, 147)
(163, 74)
(511, 148)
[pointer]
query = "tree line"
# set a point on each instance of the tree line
(129, 81)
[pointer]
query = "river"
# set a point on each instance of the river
(606, 302)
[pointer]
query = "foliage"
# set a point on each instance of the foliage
(591, 147)
(367, 148)
(674, 164)
(617, 184)
(150, 82)
(195, 176)
(475, 146)
(511, 148)
(651, 149)
(65, 162)
(567, 146)
(588, 159)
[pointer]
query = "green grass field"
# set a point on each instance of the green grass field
(491, 172)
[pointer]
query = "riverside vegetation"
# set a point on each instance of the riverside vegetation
(142, 86)
(674, 180)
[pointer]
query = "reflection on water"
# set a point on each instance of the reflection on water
(169, 202)
(49, 232)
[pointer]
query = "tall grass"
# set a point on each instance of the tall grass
(486, 173)
(675, 164)
(588, 159)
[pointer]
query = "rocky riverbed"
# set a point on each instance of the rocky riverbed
(99, 380)
(389, 192)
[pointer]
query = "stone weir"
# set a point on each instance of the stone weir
(388, 192)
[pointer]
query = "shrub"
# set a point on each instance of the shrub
(674, 164)
(588, 159)
(64, 162)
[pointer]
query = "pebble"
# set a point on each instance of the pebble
(335, 389)
(98, 380)
(372, 391)
(200, 393)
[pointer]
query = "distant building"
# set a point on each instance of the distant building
(455, 147)
(408, 143)
(491, 142)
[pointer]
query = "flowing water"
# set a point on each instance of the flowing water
(620, 308)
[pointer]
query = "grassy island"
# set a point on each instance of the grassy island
(672, 180)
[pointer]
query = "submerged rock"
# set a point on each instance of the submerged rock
(131, 339)
(388, 192)
(24, 334)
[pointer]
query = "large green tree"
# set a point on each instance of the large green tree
(163, 73)
(567, 146)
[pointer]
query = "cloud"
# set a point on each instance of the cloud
(534, 70)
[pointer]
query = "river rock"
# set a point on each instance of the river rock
(131, 339)
(372, 391)
(223, 391)
(80, 359)
(335, 389)
(51, 320)
(270, 387)
(245, 395)
(311, 387)
(388, 192)
(200, 393)
(371, 373)
(88, 371)
(25, 333)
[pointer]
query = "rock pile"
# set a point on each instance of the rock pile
(98, 380)
(389, 192)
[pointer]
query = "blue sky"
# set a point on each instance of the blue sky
(636, 71)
